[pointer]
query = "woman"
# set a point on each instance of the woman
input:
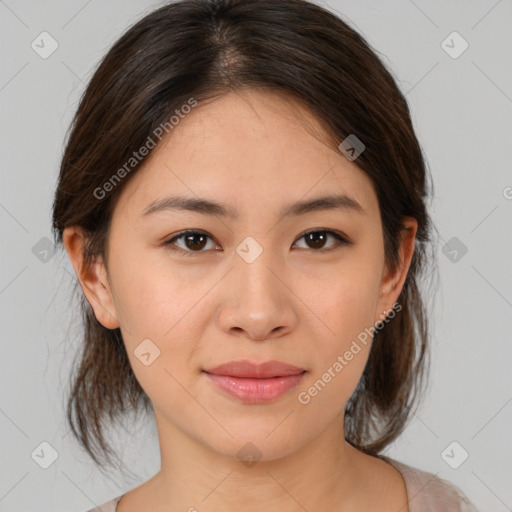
(242, 197)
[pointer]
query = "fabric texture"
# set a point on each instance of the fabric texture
(426, 492)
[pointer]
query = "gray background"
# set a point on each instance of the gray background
(461, 109)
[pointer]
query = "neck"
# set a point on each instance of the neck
(322, 473)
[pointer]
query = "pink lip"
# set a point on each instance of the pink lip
(255, 383)
(248, 369)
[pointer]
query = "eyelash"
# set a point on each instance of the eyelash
(341, 241)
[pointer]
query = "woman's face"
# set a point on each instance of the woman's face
(254, 287)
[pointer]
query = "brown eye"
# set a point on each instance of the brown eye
(193, 242)
(316, 240)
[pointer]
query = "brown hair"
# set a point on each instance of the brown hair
(203, 49)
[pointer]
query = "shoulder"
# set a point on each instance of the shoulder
(109, 506)
(427, 492)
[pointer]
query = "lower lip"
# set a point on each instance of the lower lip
(255, 391)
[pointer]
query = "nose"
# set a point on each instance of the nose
(258, 302)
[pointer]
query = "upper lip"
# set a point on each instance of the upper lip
(248, 369)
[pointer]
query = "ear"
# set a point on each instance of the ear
(93, 280)
(392, 282)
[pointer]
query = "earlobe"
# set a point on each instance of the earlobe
(93, 279)
(392, 282)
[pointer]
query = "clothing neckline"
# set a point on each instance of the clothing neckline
(405, 473)
(118, 500)
(400, 467)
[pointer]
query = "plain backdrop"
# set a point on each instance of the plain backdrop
(461, 104)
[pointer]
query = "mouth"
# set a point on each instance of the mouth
(255, 383)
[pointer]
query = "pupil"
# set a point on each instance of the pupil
(320, 235)
(194, 237)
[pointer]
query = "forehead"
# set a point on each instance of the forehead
(247, 149)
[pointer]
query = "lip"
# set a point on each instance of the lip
(248, 369)
(255, 383)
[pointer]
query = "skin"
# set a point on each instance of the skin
(255, 151)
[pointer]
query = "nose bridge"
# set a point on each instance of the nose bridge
(257, 300)
(256, 266)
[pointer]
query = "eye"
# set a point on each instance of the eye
(318, 238)
(194, 241)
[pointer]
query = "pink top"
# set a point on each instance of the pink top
(425, 492)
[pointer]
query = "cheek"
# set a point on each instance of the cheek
(160, 306)
(341, 356)
(347, 308)
(150, 298)
(159, 335)
(347, 303)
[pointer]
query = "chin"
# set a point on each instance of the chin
(252, 443)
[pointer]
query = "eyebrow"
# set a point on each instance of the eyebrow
(208, 207)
